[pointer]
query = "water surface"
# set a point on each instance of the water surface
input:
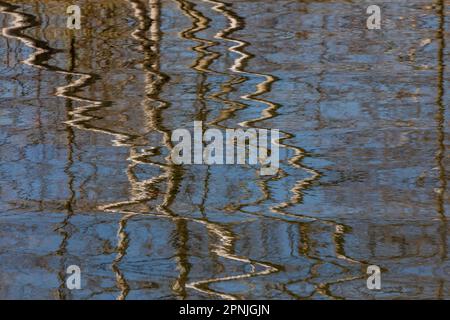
(85, 124)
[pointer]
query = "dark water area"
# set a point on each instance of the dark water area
(85, 123)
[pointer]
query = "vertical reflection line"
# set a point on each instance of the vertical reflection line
(199, 23)
(205, 57)
(440, 116)
(182, 257)
(235, 23)
(8, 47)
(440, 123)
(138, 191)
(150, 20)
(237, 77)
(227, 238)
(174, 173)
(66, 225)
(122, 246)
(43, 183)
(153, 89)
(39, 117)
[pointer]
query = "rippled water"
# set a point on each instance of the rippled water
(85, 124)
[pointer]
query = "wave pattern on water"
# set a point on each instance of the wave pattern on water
(216, 242)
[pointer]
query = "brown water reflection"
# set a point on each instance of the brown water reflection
(86, 178)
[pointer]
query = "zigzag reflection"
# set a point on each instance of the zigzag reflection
(144, 191)
(269, 112)
(226, 236)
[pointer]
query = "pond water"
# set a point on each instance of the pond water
(85, 123)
